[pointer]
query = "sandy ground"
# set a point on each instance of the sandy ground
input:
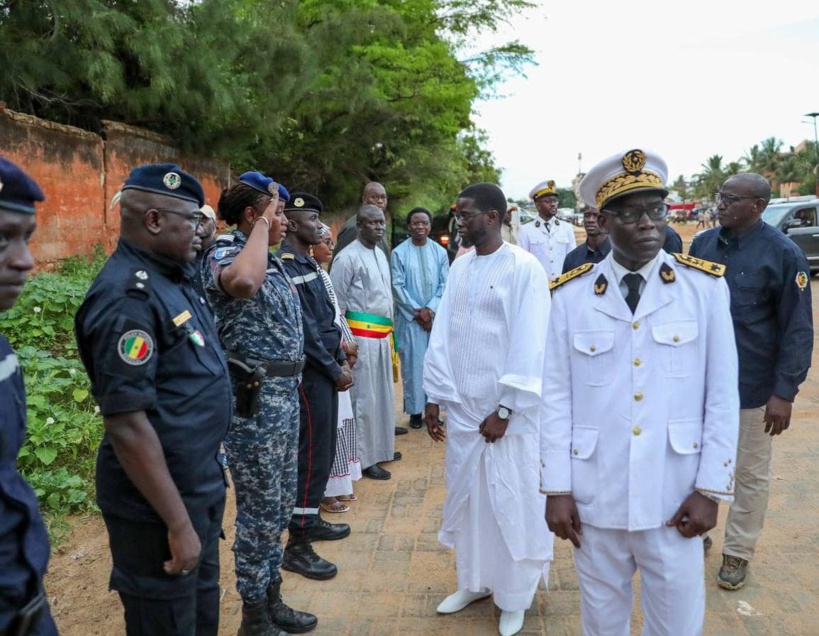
(393, 572)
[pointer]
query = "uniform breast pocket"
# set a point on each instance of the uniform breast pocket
(678, 347)
(593, 357)
(749, 294)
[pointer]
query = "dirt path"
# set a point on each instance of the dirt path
(393, 572)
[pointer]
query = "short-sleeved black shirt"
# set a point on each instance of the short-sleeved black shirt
(148, 343)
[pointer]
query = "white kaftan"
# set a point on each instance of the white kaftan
(487, 348)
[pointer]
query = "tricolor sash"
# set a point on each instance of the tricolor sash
(368, 325)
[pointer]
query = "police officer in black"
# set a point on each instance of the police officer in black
(24, 545)
(325, 373)
(596, 246)
(149, 344)
(769, 279)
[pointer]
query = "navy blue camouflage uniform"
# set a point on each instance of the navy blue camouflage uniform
(24, 544)
(318, 397)
(148, 342)
(262, 450)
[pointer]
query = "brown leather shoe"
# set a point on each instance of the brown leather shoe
(732, 573)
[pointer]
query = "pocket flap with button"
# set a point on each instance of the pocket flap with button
(685, 436)
(593, 343)
(675, 334)
(584, 441)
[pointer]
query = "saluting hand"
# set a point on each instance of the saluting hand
(435, 427)
(777, 415)
(696, 516)
(185, 550)
(563, 519)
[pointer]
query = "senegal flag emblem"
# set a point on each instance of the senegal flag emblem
(135, 347)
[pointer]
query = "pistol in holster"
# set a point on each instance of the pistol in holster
(247, 385)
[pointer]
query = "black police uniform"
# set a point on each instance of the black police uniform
(583, 254)
(769, 279)
(148, 343)
(673, 242)
(318, 398)
(24, 544)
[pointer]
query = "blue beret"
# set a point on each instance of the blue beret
(167, 179)
(284, 195)
(258, 181)
(301, 201)
(18, 191)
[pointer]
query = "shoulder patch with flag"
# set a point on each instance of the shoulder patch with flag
(135, 347)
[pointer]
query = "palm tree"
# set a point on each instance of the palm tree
(770, 155)
(711, 177)
(733, 168)
(753, 159)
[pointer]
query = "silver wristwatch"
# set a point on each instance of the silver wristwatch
(504, 413)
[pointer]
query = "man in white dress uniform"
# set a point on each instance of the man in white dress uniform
(547, 237)
(640, 423)
(484, 366)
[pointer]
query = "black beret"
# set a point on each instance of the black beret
(18, 191)
(167, 179)
(302, 201)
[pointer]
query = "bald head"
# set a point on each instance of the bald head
(375, 194)
(754, 184)
(371, 225)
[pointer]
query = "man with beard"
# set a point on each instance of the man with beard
(157, 371)
(484, 367)
(596, 247)
(769, 279)
(24, 544)
(549, 239)
(640, 421)
(361, 279)
(325, 374)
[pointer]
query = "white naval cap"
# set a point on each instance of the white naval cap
(623, 173)
(542, 189)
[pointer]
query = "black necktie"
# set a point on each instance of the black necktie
(633, 281)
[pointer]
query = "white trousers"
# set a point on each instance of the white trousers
(752, 481)
(483, 561)
(672, 592)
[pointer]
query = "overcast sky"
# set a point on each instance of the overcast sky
(688, 79)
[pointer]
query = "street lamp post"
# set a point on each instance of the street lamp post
(815, 151)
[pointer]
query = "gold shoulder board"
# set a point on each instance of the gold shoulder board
(571, 274)
(710, 268)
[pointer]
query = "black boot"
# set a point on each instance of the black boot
(284, 617)
(325, 531)
(299, 557)
(256, 621)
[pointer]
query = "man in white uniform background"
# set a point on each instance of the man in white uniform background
(484, 366)
(547, 237)
(640, 423)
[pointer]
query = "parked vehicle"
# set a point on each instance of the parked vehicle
(799, 219)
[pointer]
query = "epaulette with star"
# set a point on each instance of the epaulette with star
(709, 267)
(570, 275)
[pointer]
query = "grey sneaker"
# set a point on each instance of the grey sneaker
(732, 573)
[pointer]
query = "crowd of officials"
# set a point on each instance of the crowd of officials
(211, 355)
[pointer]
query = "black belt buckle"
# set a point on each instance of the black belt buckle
(29, 617)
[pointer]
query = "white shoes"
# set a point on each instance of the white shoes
(456, 602)
(510, 622)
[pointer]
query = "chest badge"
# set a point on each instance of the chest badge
(667, 274)
(600, 285)
(197, 338)
(182, 318)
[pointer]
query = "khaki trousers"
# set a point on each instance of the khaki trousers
(752, 480)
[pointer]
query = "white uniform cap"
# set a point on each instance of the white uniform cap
(542, 189)
(623, 173)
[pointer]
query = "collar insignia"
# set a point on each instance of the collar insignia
(600, 285)
(667, 274)
(537, 223)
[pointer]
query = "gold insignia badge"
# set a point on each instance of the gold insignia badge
(712, 269)
(172, 181)
(182, 318)
(667, 274)
(634, 161)
(570, 275)
(802, 280)
(600, 285)
(551, 184)
(298, 202)
(537, 223)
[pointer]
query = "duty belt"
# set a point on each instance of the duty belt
(368, 325)
(275, 368)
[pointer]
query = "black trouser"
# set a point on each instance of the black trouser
(318, 413)
(157, 604)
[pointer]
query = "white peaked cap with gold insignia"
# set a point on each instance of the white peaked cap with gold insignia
(626, 172)
(542, 189)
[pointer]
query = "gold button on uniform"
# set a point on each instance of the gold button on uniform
(636, 430)
(638, 396)
(575, 451)
(676, 338)
(635, 325)
(637, 362)
(696, 445)
(592, 348)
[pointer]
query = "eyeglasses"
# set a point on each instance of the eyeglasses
(463, 218)
(729, 199)
(632, 215)
(194, 218)
(419, 224)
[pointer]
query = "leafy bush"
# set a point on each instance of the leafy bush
(64, 428)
